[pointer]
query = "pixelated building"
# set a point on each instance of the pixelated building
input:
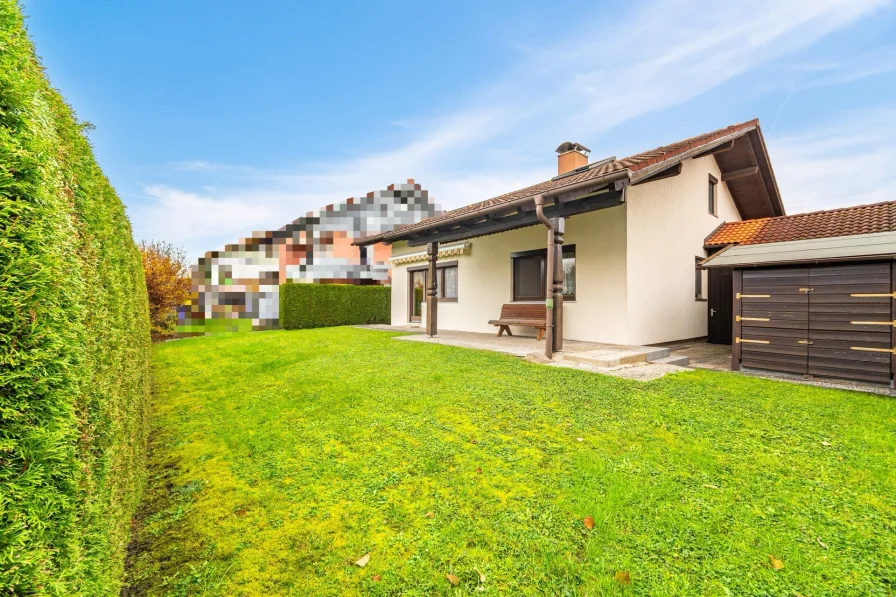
(238, 288)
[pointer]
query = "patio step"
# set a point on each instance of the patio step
(607, 357)
(680, 360)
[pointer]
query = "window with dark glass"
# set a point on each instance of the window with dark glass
(713, 182)
(698, 278)
(446, 283)
(569, 272)
(530, 271)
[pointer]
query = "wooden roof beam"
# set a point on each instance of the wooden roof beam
(742, 173)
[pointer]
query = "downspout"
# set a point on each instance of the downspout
(549, 279)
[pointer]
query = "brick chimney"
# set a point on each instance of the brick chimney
(571, 156)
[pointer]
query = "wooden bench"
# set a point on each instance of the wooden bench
(522, 314)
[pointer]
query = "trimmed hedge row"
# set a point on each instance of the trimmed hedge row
(327, 305)
(74, 344)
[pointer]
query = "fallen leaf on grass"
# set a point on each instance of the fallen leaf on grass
(623, 578)
(375, 578)
(473, 441)
(478, 469)
(776, 563)
(822, 543)
(363, 561)
(825, 443)
(430, 515)
(589, 522)
(710, 486)
(452, 579)
(580, 439)
(481, 575)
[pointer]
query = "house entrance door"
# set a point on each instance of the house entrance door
(719, 311)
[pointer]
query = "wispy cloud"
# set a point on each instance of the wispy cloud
(847, 163)
(612, 69)
(870, 64)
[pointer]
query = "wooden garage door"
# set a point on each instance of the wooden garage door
(831, 320)
(773, 311)
(850, 309)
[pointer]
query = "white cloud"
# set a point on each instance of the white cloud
(611, 70)
(847, 163)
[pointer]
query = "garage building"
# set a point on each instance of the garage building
(809, 294)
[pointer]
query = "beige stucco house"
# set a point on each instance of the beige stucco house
(634, 234)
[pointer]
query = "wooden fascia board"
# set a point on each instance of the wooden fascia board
(673, 170)
(660, 166)
(726, 146)
(768, 196)
(513, 222)
(763, 151)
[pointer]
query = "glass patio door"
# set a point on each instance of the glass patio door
(418, 294)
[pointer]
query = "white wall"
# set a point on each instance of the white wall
(634, 266)
(667, 223)
(484, 279)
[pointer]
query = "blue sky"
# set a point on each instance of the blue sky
(214, 119)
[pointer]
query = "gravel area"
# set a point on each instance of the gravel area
(718, 358)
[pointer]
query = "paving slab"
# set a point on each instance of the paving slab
(615, 356)
(680, 360)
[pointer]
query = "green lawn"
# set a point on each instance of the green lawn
(280, 458)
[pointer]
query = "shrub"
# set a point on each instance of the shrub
(74, 344)
(327, 305)
(167, 285)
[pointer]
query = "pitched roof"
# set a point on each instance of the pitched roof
(638, 163)
(846, 221)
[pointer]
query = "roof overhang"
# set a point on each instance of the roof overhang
(564, 201)
(880, 245)
(745, 166)
(747, 171)
(740, 154)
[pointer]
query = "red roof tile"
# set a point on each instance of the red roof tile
(633, 163)
(846, 221)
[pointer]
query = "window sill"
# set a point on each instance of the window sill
(447, 300)
(700, 299)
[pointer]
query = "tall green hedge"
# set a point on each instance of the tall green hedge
(74, 344)
(327, 305)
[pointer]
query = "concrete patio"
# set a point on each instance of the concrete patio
(627, 361)
(642, 363)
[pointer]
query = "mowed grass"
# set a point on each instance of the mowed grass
(278, 459)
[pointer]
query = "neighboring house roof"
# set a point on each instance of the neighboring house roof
(847, 221)
(740, 147)
(377, 212)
